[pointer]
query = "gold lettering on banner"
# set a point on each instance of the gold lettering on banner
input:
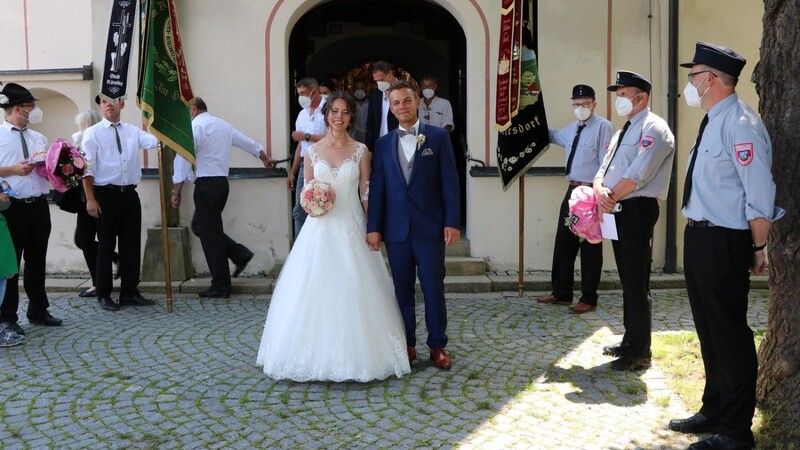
(522, 127)
(161, 89)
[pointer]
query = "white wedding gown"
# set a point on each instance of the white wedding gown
(333, 315)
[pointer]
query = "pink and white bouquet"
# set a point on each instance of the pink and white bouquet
(584, 219)
(317, 198)
(64, 165)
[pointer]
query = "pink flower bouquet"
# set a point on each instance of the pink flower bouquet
(317, 198)
(583, 218)
(64, 166)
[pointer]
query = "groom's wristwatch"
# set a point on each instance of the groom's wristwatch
(308, 137)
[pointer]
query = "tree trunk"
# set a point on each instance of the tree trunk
(777, 79)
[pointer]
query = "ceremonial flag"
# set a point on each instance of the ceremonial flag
(520, 116)
(164, 90)
(114, 84)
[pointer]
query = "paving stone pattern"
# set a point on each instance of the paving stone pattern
(525, 376)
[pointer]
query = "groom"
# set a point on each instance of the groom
(414, 208)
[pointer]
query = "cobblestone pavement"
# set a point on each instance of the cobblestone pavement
(525, 376)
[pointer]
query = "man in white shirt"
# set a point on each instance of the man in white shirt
(379, 119)
(434, 110)
(112, 148)
(308, 128)
(213, 138)
(28, 216)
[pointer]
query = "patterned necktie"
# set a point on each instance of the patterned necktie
(22, 138)
(687, 185)
(574, 146)
(116, 132)
(412, 131)
(619, 141)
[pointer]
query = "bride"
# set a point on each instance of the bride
(333, 315)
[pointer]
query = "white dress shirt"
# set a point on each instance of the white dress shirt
(213, 139)
(409, 142)
(310, 124)
(30, 185)
(107, 164)
(439, 113)
(384, 115)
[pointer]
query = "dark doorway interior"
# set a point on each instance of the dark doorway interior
(340, 39)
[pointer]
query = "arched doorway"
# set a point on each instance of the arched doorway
(341, 37)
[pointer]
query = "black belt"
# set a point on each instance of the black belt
(27, 200)
(579, 183)
(115, 188)
(700, 223)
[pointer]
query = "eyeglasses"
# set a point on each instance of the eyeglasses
(691, 75)
(582, 104)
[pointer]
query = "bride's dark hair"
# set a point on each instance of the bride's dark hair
(348, 99)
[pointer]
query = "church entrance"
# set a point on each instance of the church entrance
(340, 40)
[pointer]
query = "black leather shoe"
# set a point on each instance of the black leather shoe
(630, 363)
(616, 350)
(13, 327)
(698, 423)
(135, 300)
(108, 304)
(91, 292)
(720, 442)
(240, 267)
(44, 318)
(211, 293)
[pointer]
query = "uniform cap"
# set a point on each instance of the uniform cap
(582, 91)
(14, 94)
(718, 57)
(630, 79)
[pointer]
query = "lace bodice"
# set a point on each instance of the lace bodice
(344, 178)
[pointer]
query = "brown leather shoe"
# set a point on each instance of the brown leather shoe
(412, 354)
(440, 358)
(581, 308)
(552, 300)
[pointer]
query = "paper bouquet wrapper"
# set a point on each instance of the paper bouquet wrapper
(583, 218)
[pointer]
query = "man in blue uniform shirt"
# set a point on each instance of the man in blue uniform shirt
(729, 203)
(635, 176)
(586, 141)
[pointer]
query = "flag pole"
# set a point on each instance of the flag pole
(164, 229)
(521, 235)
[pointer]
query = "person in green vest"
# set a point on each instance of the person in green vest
(8, 267)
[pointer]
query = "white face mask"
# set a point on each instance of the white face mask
(35, 115)
(428, 93)
(624, 106)
(582, 113)
(359, 94)
(304, 101)
(383, 86)
(690, 94)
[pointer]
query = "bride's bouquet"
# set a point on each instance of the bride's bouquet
(317, 198)
(64, 165)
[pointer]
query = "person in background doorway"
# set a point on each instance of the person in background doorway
(434, 110)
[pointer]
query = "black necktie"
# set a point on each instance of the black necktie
(116, 132)
(412, 131)
(619, 141)
(574, 146)
(687, 185)
(22, 138)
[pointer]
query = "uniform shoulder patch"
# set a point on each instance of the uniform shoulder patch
(647, 142)
(743, 153)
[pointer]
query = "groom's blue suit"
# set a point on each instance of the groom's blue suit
(411, 218)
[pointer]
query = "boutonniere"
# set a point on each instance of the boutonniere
(420, 140)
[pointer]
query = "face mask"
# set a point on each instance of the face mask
(304, 101)
(359, 94)
(582, 113)
(624, 106)
(428, 93)
(35, 115)
(383, 86)
(693, 98)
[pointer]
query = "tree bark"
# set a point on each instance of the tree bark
(777, 79)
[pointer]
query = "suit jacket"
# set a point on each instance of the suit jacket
(428, 202)
(374, 118)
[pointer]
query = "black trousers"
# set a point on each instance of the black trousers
(633, 252)
(716, 266)
(566, 248)
(120, 220)
(29, 225)
(210, 197)
(85, 233)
